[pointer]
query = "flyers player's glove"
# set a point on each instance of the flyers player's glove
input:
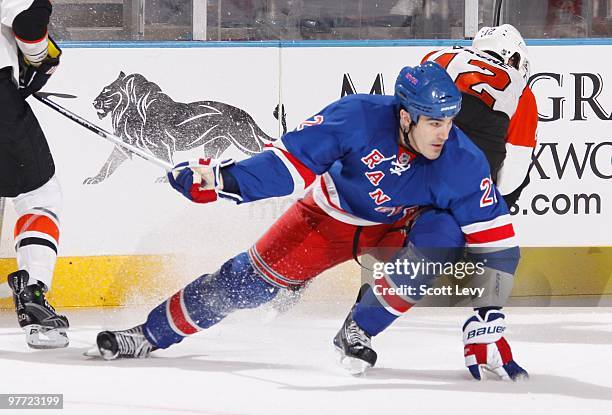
(486, 350)
(33, 76)
(200, 181)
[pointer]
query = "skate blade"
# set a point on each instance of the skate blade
(93, 352)
(354, 366)
(96, 353)
(39, 337)
(107, 354)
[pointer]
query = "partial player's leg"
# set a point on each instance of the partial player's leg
(201, 304)
(485, 348)
(36, 242)
(434, 236)
(300, 245)
(27, 173)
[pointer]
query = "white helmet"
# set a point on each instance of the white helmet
(506, 42)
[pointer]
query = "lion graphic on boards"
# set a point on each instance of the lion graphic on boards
(142, 115)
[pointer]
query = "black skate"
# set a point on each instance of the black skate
(355, 347)
(44, 328)
(124, 343)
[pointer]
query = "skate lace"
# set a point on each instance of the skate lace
(132, 342)
(49, 307)
(356, 336)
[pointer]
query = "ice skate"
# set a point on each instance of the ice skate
(355, 347)
(124, 343)
(44, 328)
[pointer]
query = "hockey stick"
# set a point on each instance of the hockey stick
(497, 12)
(44, 98)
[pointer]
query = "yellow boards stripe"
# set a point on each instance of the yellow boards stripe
(96, 281)
(564, 271)
(99, 281)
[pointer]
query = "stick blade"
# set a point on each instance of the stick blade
(53, 94)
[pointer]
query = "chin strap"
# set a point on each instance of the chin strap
(406, 140)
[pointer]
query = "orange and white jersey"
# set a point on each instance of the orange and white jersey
(479, 74)
(499, 111)
(520, 142)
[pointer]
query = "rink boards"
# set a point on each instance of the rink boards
(127, 233)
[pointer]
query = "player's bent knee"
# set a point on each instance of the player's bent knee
(436, 228)
(47, 197)
(437, 236)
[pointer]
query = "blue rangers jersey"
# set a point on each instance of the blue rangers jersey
(362, 176)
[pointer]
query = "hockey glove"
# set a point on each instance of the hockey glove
(200, 181)
(485, 349)
(32, 77)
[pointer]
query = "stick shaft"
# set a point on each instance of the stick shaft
(103, 133)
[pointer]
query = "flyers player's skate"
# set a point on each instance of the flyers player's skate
(124, 343)
(44, 328)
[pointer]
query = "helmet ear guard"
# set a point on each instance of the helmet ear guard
(505, 42)
(427, 90)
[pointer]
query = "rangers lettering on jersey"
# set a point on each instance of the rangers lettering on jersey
(379, 196)
(374, 158)
(375, 176)
(390, 211)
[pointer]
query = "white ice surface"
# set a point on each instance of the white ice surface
(252, 363)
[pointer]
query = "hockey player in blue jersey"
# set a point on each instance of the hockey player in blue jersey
(373, 160)
(502, 123)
